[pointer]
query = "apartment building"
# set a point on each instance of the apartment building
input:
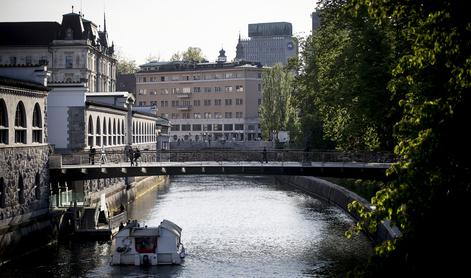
(204, 101)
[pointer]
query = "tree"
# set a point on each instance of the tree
(429, 197)
(277, 111)
(346, 65)
(192, 54)
(125, 65)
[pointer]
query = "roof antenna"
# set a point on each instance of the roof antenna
(72, 8)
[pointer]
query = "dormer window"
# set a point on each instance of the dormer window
(69, 34)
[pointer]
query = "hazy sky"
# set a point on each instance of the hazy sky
(140, 28)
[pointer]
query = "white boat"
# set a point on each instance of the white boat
(136, 245)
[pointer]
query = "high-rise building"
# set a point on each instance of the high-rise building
(268, 44)
(204, 101)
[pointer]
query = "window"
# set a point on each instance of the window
(259, 87)
(196, 116)
(207, 102)
(28, 60)
(217, 115)
(217, 89)
(186, 90)
(228, 127)
(239, 115)
(196, 127)
(3, 123)
(196, 89)
(217, 127)
(196, 102)
(228, 115)
(239, 127)
(68, 62)
(239, 88)
(20, 124)
(228, 101)
(207, 89)
(228, 89)
(175, 128)
(207, 115)
(239, 101)
(185, 115)
(37, 126)
(217, 102)
(162, 78)
(98, 132)
(186, 127)
(12, 60)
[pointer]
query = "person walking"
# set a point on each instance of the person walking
(131, 155)
(137, 154)
(91, 156)
(103, 155)
(264, 155)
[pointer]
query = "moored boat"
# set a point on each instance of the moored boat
(134, 245)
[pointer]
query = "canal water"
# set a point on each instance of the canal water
(232, 227)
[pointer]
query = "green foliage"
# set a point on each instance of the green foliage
(126, 66)
(429, 197)
(277, 111)
(346, 66)
(192, 54)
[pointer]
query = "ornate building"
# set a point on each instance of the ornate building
(75, 50)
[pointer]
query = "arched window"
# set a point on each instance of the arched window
(98, 132)
(110, 140)
(105, 131)
(3, 123)
(37, 186)
(90, 130)
(37, 124)
(21, 190)
(2, 194)
(20, 123)
(114, 132)
(122, 132)
(134, 132)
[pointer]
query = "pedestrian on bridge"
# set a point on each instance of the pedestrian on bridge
(91, 156)
(103, 159)
(137, 154)
(131, 155)
(264, 155)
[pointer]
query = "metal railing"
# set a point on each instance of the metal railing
(118, 157)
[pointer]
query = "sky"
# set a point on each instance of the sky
(141, 29)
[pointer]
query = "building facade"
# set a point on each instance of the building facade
(24, 179)
(204, 101)
(74, 50)
(268, 43)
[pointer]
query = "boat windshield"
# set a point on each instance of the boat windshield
(146, 244)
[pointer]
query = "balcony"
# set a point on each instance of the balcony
(184, 95)
(184, 107)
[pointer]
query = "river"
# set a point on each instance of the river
(232, 227)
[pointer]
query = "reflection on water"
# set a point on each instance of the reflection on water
(232, 226)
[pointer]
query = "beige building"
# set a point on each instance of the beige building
(204, 101)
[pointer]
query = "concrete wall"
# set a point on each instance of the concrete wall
(338, 196)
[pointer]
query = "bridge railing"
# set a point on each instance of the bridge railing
(116, 157)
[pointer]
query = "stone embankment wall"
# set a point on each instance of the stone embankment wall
(24, 197)
(338, 196)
